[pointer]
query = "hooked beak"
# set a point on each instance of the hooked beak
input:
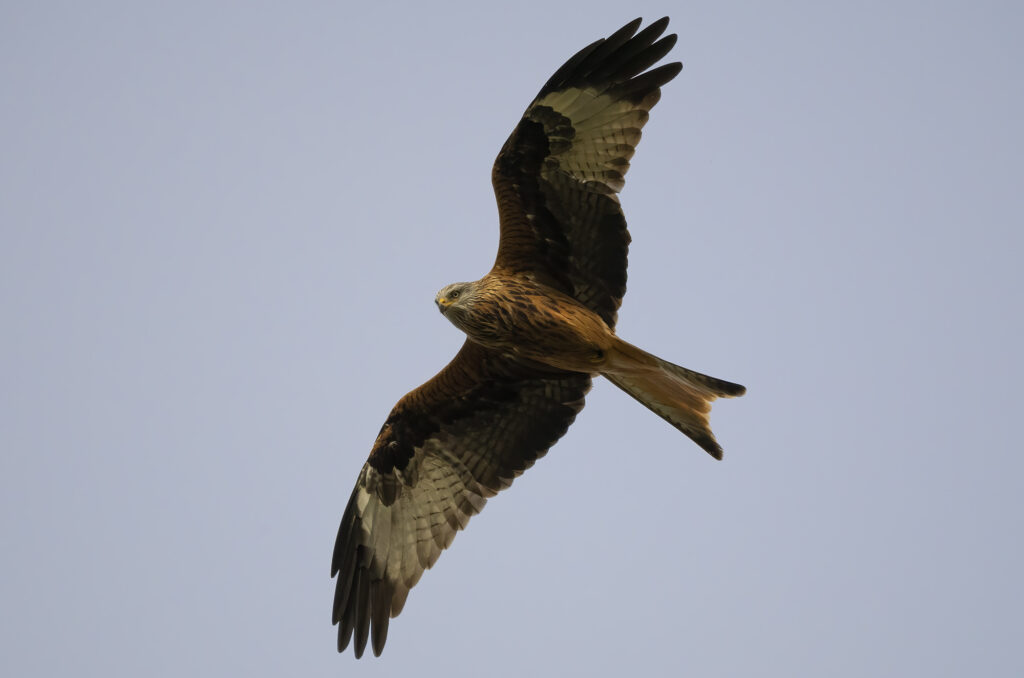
(442, 304)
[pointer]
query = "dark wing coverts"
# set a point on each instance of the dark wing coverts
(468, 432)
(445, 448)
(557, 176)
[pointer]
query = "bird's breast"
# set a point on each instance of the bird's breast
(528, 320)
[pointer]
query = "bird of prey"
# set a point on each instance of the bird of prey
(539, 326)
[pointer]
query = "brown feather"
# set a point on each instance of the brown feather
(680, 396)
(540, 325)
(446, 447)
(556, 177)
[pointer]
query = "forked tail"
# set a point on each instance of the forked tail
(680, 396)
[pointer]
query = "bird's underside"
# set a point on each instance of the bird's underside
(539, 327)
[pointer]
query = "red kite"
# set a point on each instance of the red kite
(539, 327)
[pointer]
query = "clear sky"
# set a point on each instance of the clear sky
(223, 225)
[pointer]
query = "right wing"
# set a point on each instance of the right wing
(445, 448)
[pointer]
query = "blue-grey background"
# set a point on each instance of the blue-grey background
(223, 225)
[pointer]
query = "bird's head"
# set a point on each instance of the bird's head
(454, 296)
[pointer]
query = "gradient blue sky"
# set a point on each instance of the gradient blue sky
(223, 225)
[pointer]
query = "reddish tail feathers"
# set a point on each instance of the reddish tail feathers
(680, 396)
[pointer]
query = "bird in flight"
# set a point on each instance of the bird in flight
(539, 326)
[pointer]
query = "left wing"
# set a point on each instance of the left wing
(557, 176)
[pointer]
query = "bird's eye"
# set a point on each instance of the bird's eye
(454, 294)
